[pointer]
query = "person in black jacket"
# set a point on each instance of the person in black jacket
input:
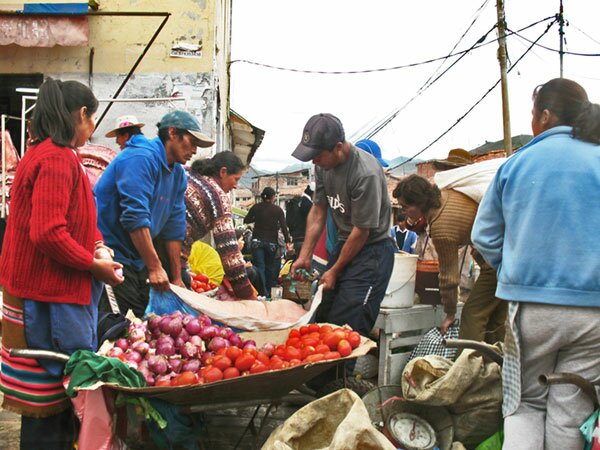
(295, 216)
(268, 218)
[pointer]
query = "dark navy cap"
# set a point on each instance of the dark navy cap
(321, 132)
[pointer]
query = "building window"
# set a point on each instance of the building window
(292, 181)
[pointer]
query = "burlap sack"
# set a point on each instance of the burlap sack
(470, 388)
(339, 421)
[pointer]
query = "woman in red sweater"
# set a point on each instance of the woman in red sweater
(51, 267)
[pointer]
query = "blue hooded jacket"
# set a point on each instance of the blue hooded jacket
(538, 222)
(139, 190)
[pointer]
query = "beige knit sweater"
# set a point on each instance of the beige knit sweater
(450, 229)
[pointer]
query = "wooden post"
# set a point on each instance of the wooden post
(503, 77)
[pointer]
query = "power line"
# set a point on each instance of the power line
(476, 103)
(554, 50)
(584, 33)
(384, 69)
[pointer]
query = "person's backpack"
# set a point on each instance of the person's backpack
(292, 213)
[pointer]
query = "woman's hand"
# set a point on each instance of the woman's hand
(105, 270)
(449, 320)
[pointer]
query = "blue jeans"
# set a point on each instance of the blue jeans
(265, 261)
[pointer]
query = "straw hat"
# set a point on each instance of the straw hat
(124, 122)
(457, 157)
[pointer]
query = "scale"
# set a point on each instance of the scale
(411, 432)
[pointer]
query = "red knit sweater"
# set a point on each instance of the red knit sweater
(51, 229)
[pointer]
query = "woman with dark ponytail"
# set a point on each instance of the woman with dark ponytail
(537, 226)
(53, 264)
(208, 208)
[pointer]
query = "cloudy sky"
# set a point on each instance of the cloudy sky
(353, 35)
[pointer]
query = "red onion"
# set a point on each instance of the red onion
(268, 349)
(189, 350)
(137, 333)
(196, 340)
(115, 352)
(176, 313)
(148, 376)
(208, 332)
(131, 355)
(156, 333)
(165, 377)
(218, 343)
(175, 364)
(193, 365)
(158, 364)
(250, 343)
(165, 348)
(165, 321)
(235, 340)
(204, 320)
(165, 339)
(186, 319)
(132, 364)
(193, 327)
(184, 335)
(174, 327)
(140, 347)
(154, 322)
(226, 332)
(122, 344)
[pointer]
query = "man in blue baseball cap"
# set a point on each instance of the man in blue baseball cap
(139, 199)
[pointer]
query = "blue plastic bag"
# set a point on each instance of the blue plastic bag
(167, 302)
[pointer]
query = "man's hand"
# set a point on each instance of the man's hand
(300, 263)
(179, 282)
(328, 279)
(446, 323)
(158, 279)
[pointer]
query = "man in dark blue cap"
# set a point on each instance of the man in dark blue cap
(139, 199)
(352, 185)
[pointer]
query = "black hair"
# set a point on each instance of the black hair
(417, 191)
(53, 115)
(267, 193)
(568, 101)
(131, 131)
(401, 216)
(163, 133)
(212, 166)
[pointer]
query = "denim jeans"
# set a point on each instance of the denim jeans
(265, 261)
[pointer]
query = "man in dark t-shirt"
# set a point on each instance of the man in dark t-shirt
(351, 183)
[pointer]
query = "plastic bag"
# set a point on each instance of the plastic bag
(205, 259)
(167, 302)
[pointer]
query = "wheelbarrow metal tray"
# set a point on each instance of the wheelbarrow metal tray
(261, 386)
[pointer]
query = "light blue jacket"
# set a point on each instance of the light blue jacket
(139, 190)
(410, 241)
(538, 222)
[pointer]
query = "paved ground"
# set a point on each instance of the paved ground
(10, 426)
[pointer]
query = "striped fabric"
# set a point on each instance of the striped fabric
(28, 389)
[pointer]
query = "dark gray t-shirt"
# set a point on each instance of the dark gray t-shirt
(356, 193)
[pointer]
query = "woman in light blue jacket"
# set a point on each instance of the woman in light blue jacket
(544, 192)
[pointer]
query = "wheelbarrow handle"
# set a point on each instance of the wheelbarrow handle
(485, 349)
(571, 378)
(38, 354)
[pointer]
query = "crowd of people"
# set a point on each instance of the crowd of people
(135, 230)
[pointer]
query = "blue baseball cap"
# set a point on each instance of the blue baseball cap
(185, 121)
(371, 147)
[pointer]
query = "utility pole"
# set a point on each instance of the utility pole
(561, 34)
(503, 76)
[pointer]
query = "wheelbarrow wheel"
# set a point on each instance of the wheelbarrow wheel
(359, 386)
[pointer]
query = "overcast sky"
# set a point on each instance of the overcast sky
(352, 35)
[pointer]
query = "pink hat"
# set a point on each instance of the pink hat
(124, 122)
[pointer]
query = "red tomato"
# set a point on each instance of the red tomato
(292, 353)
(263, 358)
(233, 352)
(354, 339)
(280, 351)
(313, 327)
(293, 342)
(258, 367)
(295, 362)
(244, 361)
(308, 341)
(322, 348)
(314, 358)
(277, 364)
(308, 350)
(231, 372)
(294, 333)
(222, 362)
(304, 329)
(250, 351)
(222, 351)
(200, 277)
(185, 378)
(163, 383)
(331, 340)
(331, 355)
(213, 374)
(325, 329)
(344, 348)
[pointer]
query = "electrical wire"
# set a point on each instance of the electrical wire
(384, 69)
(476, 103)
(583, 32)
(553, 49)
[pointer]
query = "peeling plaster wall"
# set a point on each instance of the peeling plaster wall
(197, 88)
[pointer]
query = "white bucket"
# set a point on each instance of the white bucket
(400, 292)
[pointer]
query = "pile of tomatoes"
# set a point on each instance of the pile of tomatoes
(307, 344)
(201, 283)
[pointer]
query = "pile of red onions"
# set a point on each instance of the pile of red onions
(164, 346)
